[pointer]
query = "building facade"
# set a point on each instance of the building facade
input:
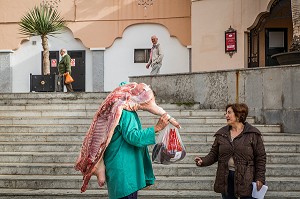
(110, 40)
(263, 28)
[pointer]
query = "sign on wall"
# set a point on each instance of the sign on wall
(53, 62)
(72, 62)
(230, 41)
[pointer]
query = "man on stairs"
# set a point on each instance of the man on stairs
(64, 66)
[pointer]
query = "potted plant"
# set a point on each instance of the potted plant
(293, 56)
(43, 20)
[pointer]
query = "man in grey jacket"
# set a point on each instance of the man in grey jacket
(156, 57)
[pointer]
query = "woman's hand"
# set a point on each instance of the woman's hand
(259, 185)
(198, 161)
(162, 123)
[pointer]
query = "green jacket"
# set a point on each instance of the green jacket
(65, 64)
(127, 161)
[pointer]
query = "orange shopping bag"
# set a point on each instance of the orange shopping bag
(68, 78)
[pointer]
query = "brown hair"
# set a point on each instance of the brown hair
(240, 111)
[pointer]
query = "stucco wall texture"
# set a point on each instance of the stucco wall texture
(98, 23)
(271, 93)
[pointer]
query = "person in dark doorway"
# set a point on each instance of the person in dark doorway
(156, 57)
(239, 150)
(64, 66)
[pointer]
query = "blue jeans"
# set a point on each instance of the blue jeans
(230, 189)
(131, 196)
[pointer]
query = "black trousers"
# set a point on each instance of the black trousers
(230, 188)
(69, 87)
(131, 196)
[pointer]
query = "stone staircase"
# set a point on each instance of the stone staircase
(41, 135)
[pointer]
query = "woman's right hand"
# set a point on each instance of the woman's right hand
(198, 161)
(162, 123)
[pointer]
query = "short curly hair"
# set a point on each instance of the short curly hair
(240, 111)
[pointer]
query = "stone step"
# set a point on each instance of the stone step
(143, 194)
(270, 147)
(267, 137)
(88, 104)
(49, 113)
(66, 98)
(187, 112)
(184, 121)
(187, 120)
(51, 101)
(89, 110)
(44, 128)
(75, 146)
(45, 121)
(273, 170)
(70, 157)
(83, 128)
(162, 182)
(216, 127)
(50, 107)
(185, 137)
(41, 136)
(35, 97)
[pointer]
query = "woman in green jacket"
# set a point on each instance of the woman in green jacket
(127, 161)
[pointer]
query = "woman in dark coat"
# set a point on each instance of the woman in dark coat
(239, 150)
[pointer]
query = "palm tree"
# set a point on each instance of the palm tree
(42, 20)
(295, 7)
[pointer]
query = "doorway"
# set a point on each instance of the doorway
(77, 64)
(78, 69)
(276, 42)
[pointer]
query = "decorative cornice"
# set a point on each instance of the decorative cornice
(145, 3)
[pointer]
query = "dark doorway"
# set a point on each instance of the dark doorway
(54, 60)
(78, 67)
(276, 42)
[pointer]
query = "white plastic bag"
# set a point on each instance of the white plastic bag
(169, 147)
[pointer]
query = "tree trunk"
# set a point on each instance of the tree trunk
(295, 7)
(46, 62)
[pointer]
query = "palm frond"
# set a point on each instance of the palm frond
(41, 20)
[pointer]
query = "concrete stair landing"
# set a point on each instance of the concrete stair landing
(41, 135)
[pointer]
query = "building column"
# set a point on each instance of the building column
(5, 71)
(98, 69)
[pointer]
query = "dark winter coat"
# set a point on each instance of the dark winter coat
(249, 156)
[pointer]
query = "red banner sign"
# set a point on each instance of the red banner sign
(230, 41)
(72, 62)
(53, 63)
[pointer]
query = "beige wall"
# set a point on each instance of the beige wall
(196, 23)
(210, 18)
(97, 23)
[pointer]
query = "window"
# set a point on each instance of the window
(141, 55)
